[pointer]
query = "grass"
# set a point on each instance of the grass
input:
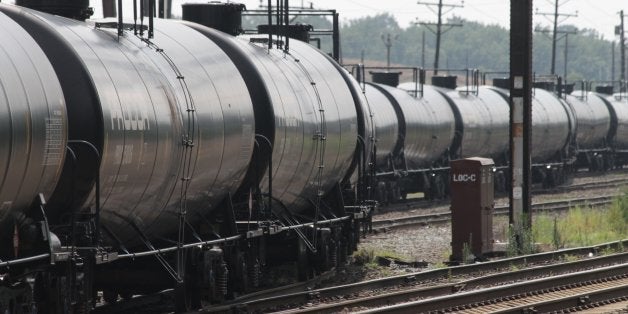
(368, 256)
(582, 226)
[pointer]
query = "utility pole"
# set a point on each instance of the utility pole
(622, 48)
(423, 50)
(165, 9)
(566, 55)
(439, 25)
(388, 42)
(613, 60)
(554, 37)
(109, 8)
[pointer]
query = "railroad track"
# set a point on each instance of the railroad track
(445, 216)
(605, 184)
(304, 301)
(163, 302)
(415, 203)
(567, 292)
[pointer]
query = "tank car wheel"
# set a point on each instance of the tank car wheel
(304, 269)
(333, 253)
(609, 163)
(560, 176)
(242, 273)
(437, 187)
(254, 271)
(597, 163)
(343, 251)
(186, 296)
(51, 293)
(183, 302)
(380, 192)
(395, 192)
(323, 255)
(500, 182)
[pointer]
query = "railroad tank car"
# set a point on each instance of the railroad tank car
(361, 173)
(618, 133)
(484, 130)
(553, 128)
(483, 123)
(553, 125)
(608, 150)
(33, 126)
(421, 128)
(619, 137)
(387, 125)
(145, 171)
(164, 134)
(592, 130)
(429, 127)
(314, 122)
(415, 134)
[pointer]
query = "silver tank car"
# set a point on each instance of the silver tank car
(386, 123)
(593, 122)
(33, 123)
(552, 123)
(484, 123)
(426, 127)
(184, 138)
(618, 108)
(366, 116)
(430, 128)
(313, 121)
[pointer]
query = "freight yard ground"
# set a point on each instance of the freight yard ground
(430, 244)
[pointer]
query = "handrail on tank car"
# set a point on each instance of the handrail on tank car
(472, 78)
(615, 85)
(418, 75)
(33, 258)
(294, 12)
(585, 87)
(501, 74)
(185, 246)
(311, 224)
(189, 245)
(553, 83)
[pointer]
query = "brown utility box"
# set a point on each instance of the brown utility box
(472, 205)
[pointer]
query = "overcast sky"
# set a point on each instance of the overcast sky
(601, 15)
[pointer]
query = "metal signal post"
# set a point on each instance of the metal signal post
(520, 117)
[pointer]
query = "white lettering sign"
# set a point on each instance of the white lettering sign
(461, 177)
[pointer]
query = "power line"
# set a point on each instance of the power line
(439, 25)
(388, 42)
(554, 39)
(565, 34)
